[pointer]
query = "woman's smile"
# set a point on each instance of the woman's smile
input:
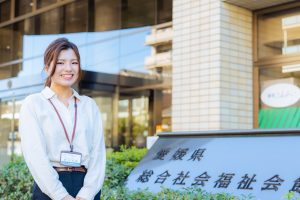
(67, 76)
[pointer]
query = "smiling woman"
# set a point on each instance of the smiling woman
(62, 58)
(63, 145)
(63, 67)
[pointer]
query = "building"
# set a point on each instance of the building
(160, 65)
(160, 62)
(226, 56)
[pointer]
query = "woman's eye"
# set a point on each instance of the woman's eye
(75, 63)
(59, 63)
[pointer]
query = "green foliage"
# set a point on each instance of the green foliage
(128, 157)
(15, 181)
(120, 164)
(291, 196)
(121, 193)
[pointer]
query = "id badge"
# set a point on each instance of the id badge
(70, 159)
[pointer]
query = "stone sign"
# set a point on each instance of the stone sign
(263, 164)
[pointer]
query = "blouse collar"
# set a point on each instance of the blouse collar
(48, 93)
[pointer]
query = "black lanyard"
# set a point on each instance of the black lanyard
(63, 125)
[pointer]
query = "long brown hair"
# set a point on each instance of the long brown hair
(52, 52)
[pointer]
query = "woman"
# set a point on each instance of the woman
(61, 132)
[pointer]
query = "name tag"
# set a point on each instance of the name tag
(70, 159)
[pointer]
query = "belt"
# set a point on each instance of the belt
(71, 169)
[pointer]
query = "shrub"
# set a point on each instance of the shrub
(291, 196)
(15, 181)
(120, 164)
(121, 193)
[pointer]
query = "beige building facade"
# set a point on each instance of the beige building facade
(219, 70)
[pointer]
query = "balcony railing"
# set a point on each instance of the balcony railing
(159, 60)
(162, 33)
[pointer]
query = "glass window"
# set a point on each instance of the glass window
(49, 22)
(9, 136)
(11, 47)
(5, 128)
(107, 15)
(123, 123)
(133, 121)
(23, 7)
(105, 105)
(163, 48)
(18, 33)
(102, 52)
(280, 97)
(116, 50)
(278, 34)
(6, 44)
(166, 112)
(75, 18)
(138, 13)
(9, 71)
(140, 112)
(133, 51)
(29, 27)
(72, 18)
(4, 11)
(164, 11)
(44, 3)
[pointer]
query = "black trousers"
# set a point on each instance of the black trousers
(72, 181)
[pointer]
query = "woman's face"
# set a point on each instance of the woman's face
(67, 69)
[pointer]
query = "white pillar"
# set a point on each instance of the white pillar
(212, 66)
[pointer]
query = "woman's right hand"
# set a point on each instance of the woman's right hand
(68, 197)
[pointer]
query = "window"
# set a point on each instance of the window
(23, 7)
(107, 15)
(272, 29)
(4, 11)
(6, 44)
(138, 13)
(279, 98)
(164, 11)
(75, 17)
(9, 112)
(49, 22)
(44, 3)
(279, 69)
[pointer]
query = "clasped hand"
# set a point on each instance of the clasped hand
(69, 197)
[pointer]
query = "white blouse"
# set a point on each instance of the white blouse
(43, 139)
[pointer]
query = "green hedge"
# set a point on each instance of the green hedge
(16, 182)
(120, 164)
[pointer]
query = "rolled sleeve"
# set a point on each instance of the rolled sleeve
(35, 153)
(94, 178)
